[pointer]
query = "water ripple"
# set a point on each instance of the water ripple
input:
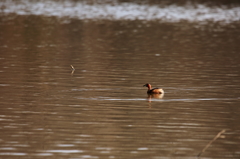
(163, 100)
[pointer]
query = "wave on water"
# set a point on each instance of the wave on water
(154, 99)
(122, 11)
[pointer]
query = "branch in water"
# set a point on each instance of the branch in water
(215, 138)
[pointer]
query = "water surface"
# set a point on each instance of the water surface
(101, 109)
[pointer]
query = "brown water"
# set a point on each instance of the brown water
(101, 109)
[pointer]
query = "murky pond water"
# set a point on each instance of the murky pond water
(102, 110)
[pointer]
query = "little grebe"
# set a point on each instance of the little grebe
(154, 90)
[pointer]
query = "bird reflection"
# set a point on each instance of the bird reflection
(156, 96)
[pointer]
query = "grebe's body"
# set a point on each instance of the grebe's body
(154, 90)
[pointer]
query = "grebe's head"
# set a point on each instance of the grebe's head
(146, 85)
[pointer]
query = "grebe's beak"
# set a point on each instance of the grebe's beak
(144, 85)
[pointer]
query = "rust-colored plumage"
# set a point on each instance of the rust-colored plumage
(154, 90)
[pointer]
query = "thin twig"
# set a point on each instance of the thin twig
(73, 69)
(215, 138)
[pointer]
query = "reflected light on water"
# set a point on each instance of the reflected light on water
(65, 151)
(123, 11)
(14, 154)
